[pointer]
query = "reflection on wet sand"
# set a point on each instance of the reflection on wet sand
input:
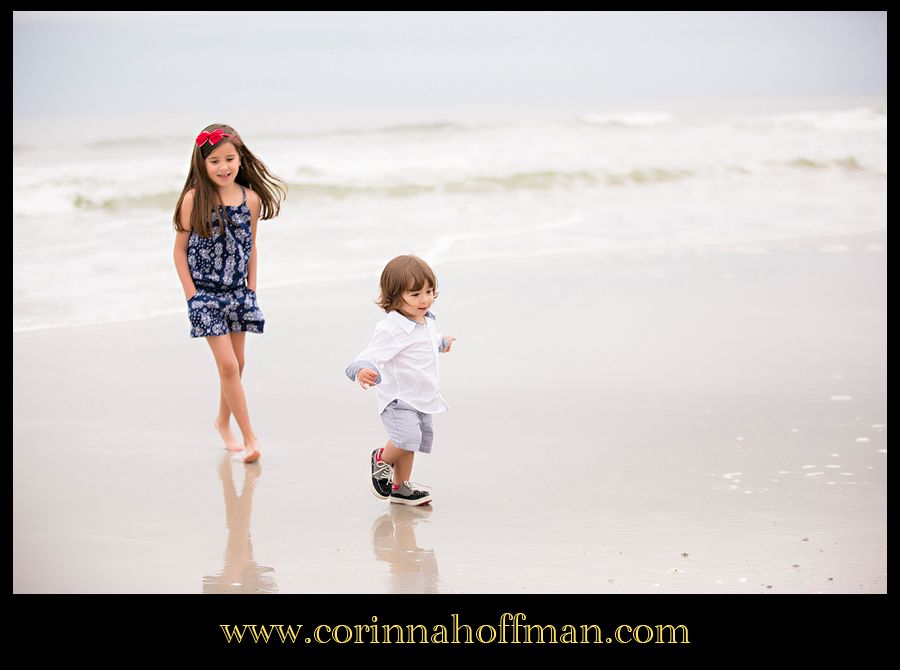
(240, 573)
(412, 569)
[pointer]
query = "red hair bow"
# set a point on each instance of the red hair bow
(214, 137)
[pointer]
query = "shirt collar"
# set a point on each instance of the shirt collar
(407, 324)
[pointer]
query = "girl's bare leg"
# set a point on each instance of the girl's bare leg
(223, 425)
(231, 389)
(223, 419)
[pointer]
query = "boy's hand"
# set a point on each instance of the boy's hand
(450, 340)
(366, 378)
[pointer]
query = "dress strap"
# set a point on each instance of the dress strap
(244, 194)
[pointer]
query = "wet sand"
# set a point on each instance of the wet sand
(703, 422)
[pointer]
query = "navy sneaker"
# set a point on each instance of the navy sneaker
(381, 476)
(410, 494)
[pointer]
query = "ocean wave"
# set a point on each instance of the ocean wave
(131, 143)
(628, 119)
(524, 181)
(848, 163)
(440, 127)
(547, 180)
(855, 119)
(161, 200)
(397, 130)
(535, 181)
(434, 127)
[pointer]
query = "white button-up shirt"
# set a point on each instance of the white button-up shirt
(405, 356)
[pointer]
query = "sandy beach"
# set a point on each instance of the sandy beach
(706, 422)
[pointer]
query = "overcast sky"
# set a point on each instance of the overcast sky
(109, 63)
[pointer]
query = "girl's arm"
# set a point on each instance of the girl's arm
(253, 204)
(181, 246)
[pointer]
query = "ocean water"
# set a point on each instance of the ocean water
(93, 238)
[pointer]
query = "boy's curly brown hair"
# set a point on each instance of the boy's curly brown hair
(401, 274)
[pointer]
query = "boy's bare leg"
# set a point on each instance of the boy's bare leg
(402, 461)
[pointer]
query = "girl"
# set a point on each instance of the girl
(226, 192)
(402, 360)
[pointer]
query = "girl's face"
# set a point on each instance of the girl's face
(222, 164)
(415, 303)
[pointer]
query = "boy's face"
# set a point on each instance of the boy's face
(414, 304)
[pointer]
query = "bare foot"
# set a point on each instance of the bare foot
(253, 452)
(231, 442)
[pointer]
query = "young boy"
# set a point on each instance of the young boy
(401, 362)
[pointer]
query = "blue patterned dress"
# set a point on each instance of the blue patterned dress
(223, 303)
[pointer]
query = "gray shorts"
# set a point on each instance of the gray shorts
(407, 427)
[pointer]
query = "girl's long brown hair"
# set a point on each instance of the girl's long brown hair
(253, 173)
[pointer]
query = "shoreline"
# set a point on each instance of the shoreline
(874, 240)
